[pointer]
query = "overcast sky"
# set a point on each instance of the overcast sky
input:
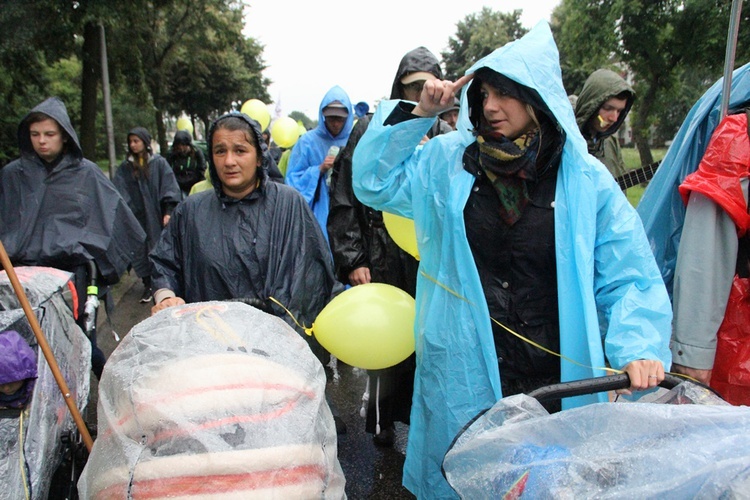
(310, 46)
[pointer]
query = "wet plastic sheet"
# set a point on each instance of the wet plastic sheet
(606, 450)
(46, 418)
(213, 398)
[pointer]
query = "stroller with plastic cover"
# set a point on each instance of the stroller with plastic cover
(213, 399)
(37, 439)
(685, 443)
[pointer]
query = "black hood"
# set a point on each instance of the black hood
(143, 135)
(419, 59)
(182, 137)
(55, 109)
(255, 127)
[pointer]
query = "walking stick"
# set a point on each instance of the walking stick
(44, 346)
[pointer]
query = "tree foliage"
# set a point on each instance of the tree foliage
(672, 47)
(306, 121)
(477, 35)
(165, 57)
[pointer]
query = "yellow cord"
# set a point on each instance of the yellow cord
(518, 335)
(307, 330)
(21, 456)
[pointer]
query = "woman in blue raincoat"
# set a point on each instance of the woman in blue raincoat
(516, 222)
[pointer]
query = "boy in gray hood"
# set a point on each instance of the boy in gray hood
(58, 209)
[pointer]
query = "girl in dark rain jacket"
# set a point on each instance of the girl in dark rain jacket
(149, 187)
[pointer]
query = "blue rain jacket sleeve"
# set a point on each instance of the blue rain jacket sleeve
(612, 300)
(661, 207)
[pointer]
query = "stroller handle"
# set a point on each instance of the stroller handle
(593, 385)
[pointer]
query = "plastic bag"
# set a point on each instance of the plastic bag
(731, 372)
(605, 450)
(213, 399)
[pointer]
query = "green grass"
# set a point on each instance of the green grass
(633, 161)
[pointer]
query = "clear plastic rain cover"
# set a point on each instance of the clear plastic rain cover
(213, 399)
(30, 440)
(693, 445)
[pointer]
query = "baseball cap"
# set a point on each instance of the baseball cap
(416, 76)
(336, 108)
(456, 106)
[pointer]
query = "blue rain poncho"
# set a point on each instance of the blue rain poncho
(303, 170)
(612, 300)
(661, 207)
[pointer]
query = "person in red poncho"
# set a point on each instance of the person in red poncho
(712, 261)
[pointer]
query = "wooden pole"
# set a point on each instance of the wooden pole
(44, 346)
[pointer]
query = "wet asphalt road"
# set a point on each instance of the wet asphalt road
(371, 472)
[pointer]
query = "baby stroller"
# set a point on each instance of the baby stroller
(213, 399)
(36, 439)
(685, 443)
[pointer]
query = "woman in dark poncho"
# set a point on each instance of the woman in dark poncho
(248, 238)
(148, 185)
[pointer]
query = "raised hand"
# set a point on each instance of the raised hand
(437, 96)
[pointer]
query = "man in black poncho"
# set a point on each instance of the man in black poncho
(58, 209)
(363, 252)
(248, 238)
(187, 162)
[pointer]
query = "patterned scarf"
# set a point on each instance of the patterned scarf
(508, 165)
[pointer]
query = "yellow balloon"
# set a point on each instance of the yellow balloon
(302, 129)
(258, 111)
(184, 123)
(368, 326)
(284, 132)
(402, 232)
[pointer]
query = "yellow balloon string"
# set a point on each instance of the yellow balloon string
(307, 330)
(518, 335)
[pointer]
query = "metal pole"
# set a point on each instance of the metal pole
(734, 27)
(44, 346)
(107, 102)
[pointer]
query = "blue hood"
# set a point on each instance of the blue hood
(335, 94)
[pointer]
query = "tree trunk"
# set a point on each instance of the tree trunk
(161, 131)
(89, 85)
(641, 127)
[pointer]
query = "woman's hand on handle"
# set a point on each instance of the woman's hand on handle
(644, 374)
(438, 95)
